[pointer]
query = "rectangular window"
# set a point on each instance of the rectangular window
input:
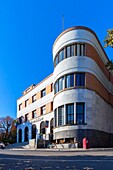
(55, 118)
(43, 92)
(60, 115)
(34, 98)
(20, 106)
(56, 60)
(26, 103)
(56, 87)
(20, 120)
(78, 50)
(80, 79)
(51, 106)
(72, 50)
(34, 115)
(43, 110)
(82, 49)
(80, 107)
(61, 83)
(26, 117)
(70, 114)
(61, 55)
(70, 80)
(75, 49)
(68, 51)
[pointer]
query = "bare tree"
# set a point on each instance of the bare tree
(6, 125)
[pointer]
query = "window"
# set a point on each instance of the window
(61, 83)
(80, 113)
(60, 115)
(56, 60)
(43, 92)
(42, 127)
(70, 114)
(26, 103)
(61, 55)
(80, 79)
(20, 106)
(55, 118)
(68, 51)
(26, 117)
(76, 49)
(72, 50)
(56, 87)
(20, 120)
(34, 98)
(82, 50)
(43, 110)
(70, 80)
(34, 115)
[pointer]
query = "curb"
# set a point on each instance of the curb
(65, 150)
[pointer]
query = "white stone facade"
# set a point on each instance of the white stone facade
(80, 102)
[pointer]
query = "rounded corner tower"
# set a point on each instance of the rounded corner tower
(81, 88)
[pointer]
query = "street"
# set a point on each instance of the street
(55, 160)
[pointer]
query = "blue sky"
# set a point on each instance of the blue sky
(28, 29)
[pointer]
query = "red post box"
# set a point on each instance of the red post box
(85, 143)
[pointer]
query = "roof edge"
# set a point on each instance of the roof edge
(84, 28)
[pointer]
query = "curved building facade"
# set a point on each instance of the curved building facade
(83, 89)
(76, 100)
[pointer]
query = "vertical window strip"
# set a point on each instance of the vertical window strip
(56, 87)
(43, 92)
(61, 83)
(70, 80)
(20, 106)
(70, 114)
(57, 60)
(26, 117)
(26, 103)
(68, 51)
(82, 50)
(61, 55)
(75, 49)
(60, 115)
(33, 98)
(80, 79)
(80, 108)
(78, 49)
(43, 110)
(34, 115)
(55, 118)
(72, 50)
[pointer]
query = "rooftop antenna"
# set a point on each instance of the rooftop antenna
(62, 22)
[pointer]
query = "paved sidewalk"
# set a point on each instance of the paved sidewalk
(71, 150)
